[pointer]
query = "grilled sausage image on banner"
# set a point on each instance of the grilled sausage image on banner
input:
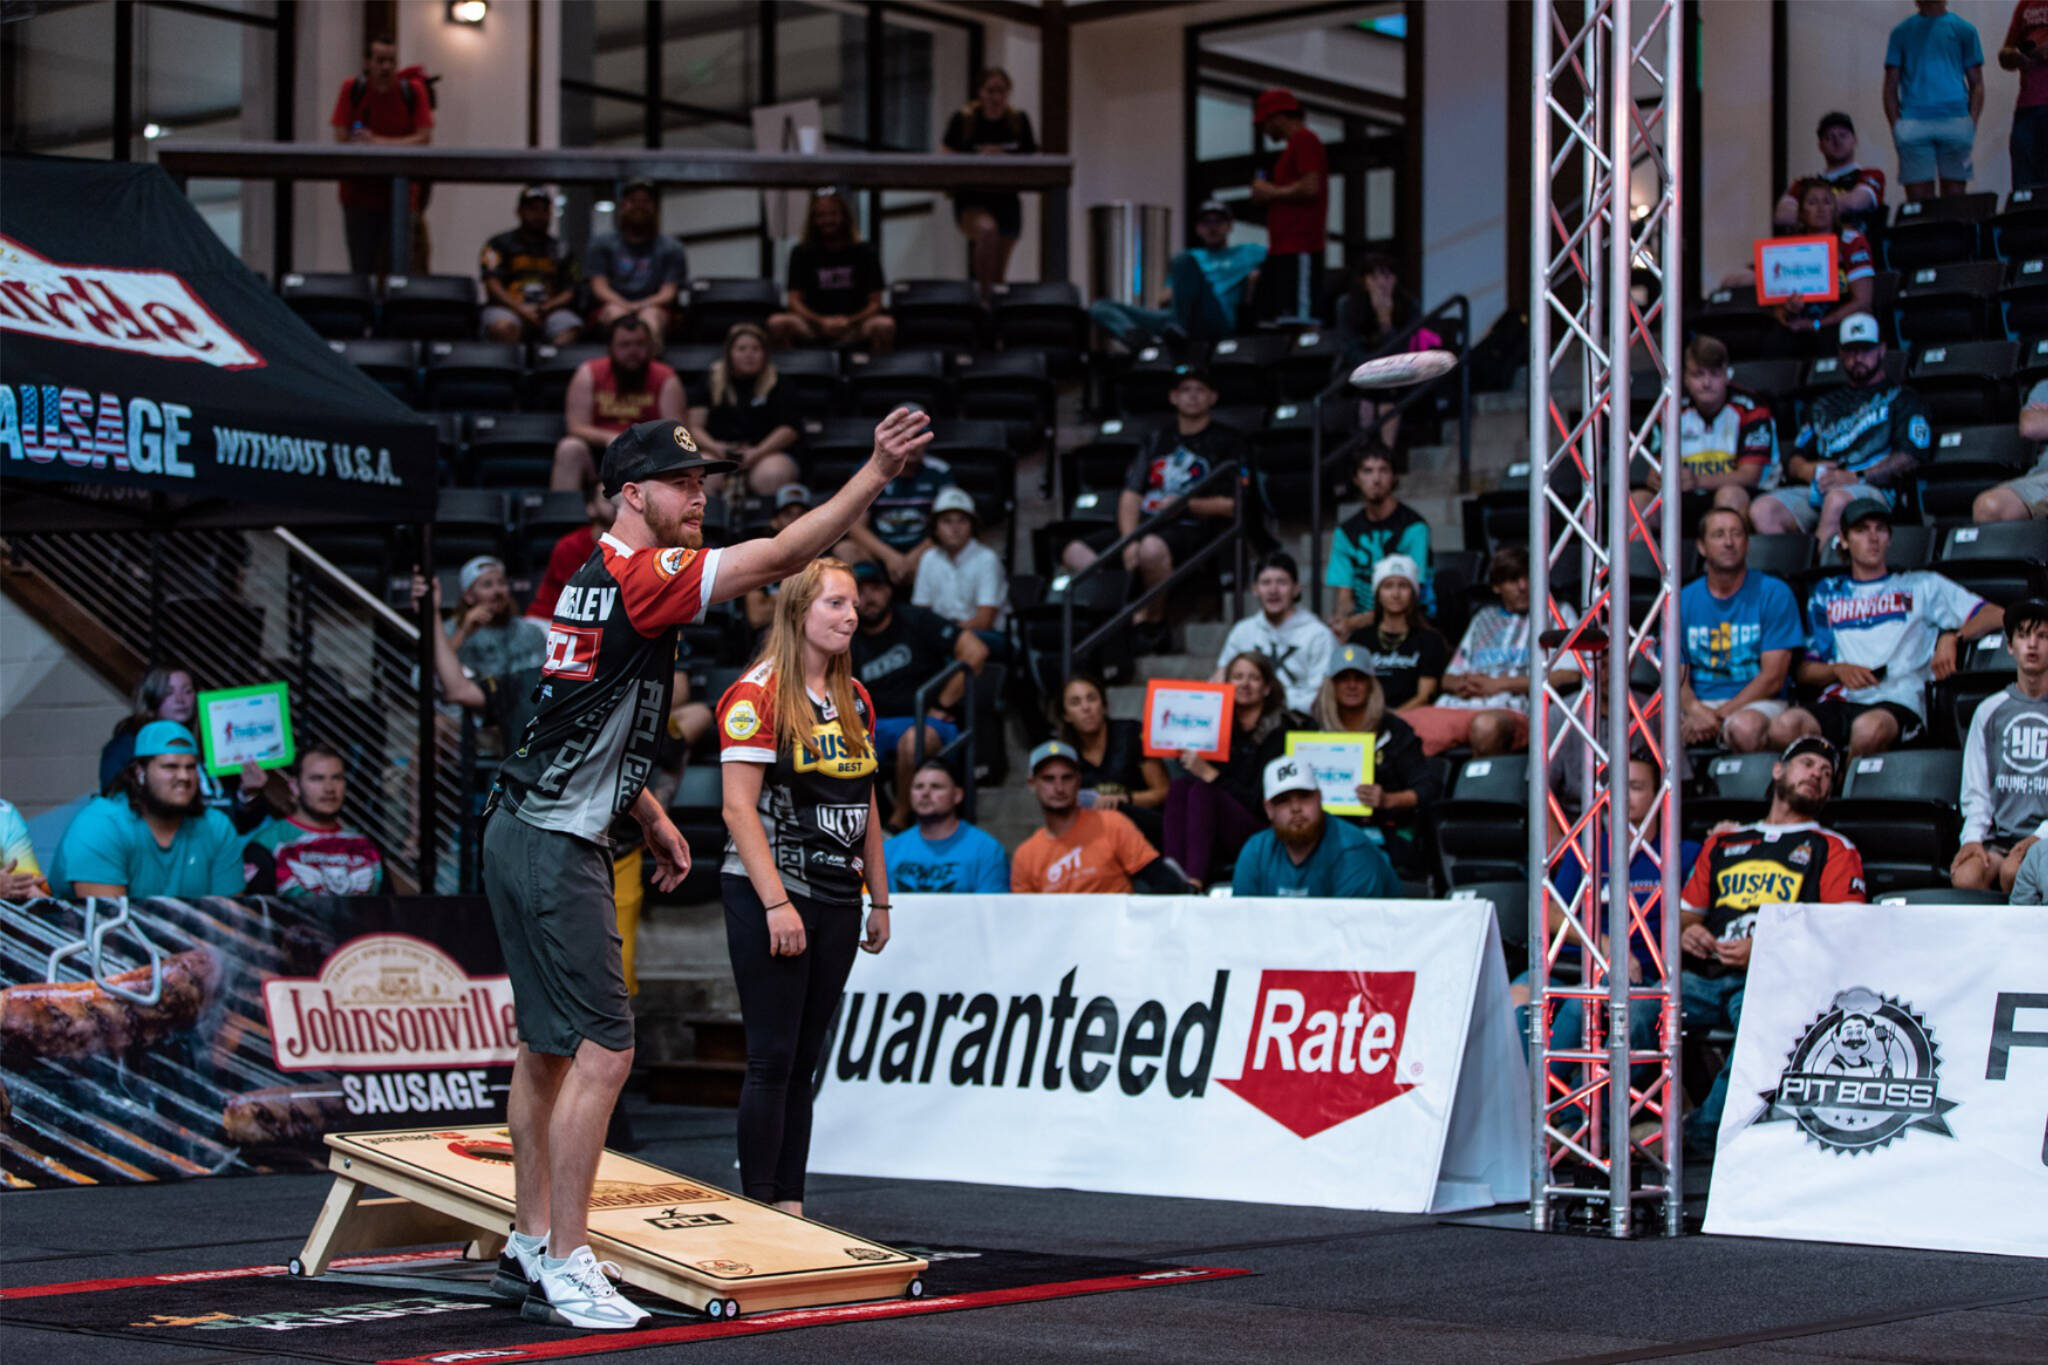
(282, 1114)
(78, 1019)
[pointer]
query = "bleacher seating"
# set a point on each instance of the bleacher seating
(547, 378)
(1482, 826)
(1985, 666)
(1245, 368)
(876, 384)
(1735, 319)
(813, 376)
(1144, 384)
(2003, 561)
(394, 363)
(1936, 231)
(1309, 365)
(545, 518)
(513, 450)
(334, 305)
(429, 307)
(1014, 388)
(1967, 461)
(947, 314)
(1948, 303)
(1044, 317)
(470, 522)
(1900, 811)
(2022, 229)
(714, 307)
(1727, 787)
(474, 376)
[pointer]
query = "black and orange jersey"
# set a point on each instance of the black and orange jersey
(814, 805)
(1744, 869)
(602, 698)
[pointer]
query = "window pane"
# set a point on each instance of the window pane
(821, 54)
(1223, 124)
(62, 96)
(711, 53)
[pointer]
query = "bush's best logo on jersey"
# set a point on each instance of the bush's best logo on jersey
(1757, 881)
(742, 721)
(831, 754)
(1324, 1047)
(1860, 1075)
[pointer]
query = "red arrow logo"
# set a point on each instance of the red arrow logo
(1324, 1046)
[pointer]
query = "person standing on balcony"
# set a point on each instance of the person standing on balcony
(989, 125)
(1297, 198)
(380, 108)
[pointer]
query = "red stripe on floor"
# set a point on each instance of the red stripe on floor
(790, 1318)
(38, 1291)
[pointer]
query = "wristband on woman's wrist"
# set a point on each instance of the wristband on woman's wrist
(873, 906)
(777, 906)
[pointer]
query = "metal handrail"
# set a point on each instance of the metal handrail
(1113, 555)
(964, 742)
(1461, 307)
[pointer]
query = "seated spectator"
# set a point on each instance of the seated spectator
(1171, 462)
(942, 852)
(1383, 526)
(608, 394)
(167, 692)
(1403, 781)
(897, 531)
(638, 270)
(897, 650)
(1299, 645)
(959, 577)
(1204, 287)
(1078, 850)
(1306, 853)
(1801, 322)
(572, 551)
(1215, 807)
(530, 278)
(2004, 798)
(490, 636)
(1727, 442)
(1485, 700)
(1115, 772)
(2027, 496)
(1370, 315)
(1741, 633)
(751, 418)
(1864, 440)
(154, 837)
(1859, 189)
(311, 852)
(1786, 857)
(1401, 648)
(792, 500)
(835, 285)
(2030, 887)
(21, 875)
(1874, 638)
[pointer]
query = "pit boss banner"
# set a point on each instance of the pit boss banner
(161, 1039)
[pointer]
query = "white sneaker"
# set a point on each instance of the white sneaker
(580, 1293)
(518, 1268)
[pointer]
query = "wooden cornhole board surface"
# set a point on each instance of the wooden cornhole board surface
(678, 1237)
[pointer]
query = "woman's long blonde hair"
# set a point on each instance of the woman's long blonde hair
(1328, 715)
(790, 707)
(721, 369)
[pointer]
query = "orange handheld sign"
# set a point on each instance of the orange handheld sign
(1804, 268)
(1180, 716)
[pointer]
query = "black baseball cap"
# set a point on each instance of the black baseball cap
(1864, 508)
(1833, 119)
(652, 449)
(1812, 744)
(638, 182)
(1199, 373)
(536, 192)
(2024, 612)
(867, 571)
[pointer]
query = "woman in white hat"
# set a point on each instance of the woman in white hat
(1406, 653)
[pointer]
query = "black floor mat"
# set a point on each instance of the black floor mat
(417, 1310)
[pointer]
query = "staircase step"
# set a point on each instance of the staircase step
(720, 1037)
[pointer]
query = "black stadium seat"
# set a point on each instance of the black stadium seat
(2022, 230)
(545, 518)
(839, 438)
(470, 522)
(1144, 385)
(1727, 787)
(1825, 373)
(2033, 363)
(1985, 666)
(716, 306)
(1309, 365)
(1046, 317)
(1943, 303)
(1482, 827)
(875, 384)
(429, 307)
(1100, 461)
(1011, 387)
(2003, 561)
(1967, 461)
(2023, 299)
(474, 374)
(1510, 911)
(1912, 547)
(1244, 368)
(1774, 381)
(1782, 556)
(514, 449)
(1937, 231)
(942, 313)
(813, 375)
(333, 305)
(1900, 810)
(547, 378)
(392, 362)
(1966, 383)
(1734, 317)
(692, 364)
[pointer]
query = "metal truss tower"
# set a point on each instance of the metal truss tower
(1603, 339)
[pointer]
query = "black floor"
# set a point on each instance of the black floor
(1329, 1285)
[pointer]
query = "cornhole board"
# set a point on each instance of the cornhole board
(677, 1237)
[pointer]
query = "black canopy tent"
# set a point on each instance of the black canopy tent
(148, 377)
(149, 381)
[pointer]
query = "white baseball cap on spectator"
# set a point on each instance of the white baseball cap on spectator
(477, 568)
(792, 495)
(951, 499)
(1859, 329)
(1395, 566)
(1289, 774)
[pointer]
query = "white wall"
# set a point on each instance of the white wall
(1465, 156)
(55, 714)
(1735, 134)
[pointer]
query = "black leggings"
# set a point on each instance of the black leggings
(786, 1004)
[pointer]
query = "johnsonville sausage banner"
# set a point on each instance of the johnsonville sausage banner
(1351, 1054)
(161, 1039)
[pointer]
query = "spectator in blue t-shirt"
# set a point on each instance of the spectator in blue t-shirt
(1306, 853)
(942, 852)
(154, 836)
(1933, 94)
(1741, 633)
(1204, 287)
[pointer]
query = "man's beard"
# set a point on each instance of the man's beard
(630, 381)
(157, 808)
(672, 532)
(1796, 801)
(1301, 838)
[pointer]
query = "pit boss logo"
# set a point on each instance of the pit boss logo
(1860, 1075)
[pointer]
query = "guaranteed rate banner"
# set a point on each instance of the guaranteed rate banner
(228, 1036)
(1351, 1054)
(1890, 1082)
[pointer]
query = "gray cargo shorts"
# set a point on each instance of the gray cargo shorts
(551, 898)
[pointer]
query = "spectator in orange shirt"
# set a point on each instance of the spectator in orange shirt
(1081, 850)
(380, 108)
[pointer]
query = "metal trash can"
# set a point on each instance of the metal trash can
(1129, 249)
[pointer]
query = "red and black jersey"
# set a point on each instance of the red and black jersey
(603, 693)
(1744, 869)
(814, 806)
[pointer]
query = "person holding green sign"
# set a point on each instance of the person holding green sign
(154, 836)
